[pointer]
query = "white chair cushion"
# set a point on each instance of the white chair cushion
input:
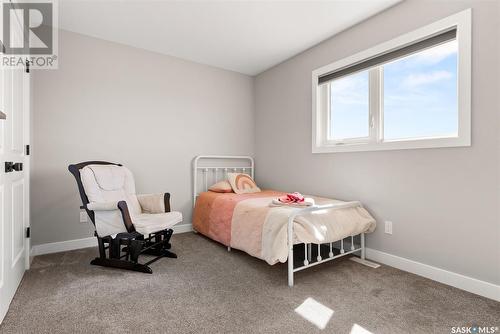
(109, 223)
(109, 177)
(152, 203)
(119, 187)
(106, 185)
(150, 223)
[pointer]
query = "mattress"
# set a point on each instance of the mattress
(247, 222)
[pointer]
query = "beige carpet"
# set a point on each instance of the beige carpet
(208, 290)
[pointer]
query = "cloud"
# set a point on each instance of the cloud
(414, 80)
(351, 89)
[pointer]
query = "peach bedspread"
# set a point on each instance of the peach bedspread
(247, 222)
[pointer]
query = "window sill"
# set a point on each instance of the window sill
(393, 145)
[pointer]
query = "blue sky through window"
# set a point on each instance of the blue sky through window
(349, 107)
(419, 97)
(420, 94)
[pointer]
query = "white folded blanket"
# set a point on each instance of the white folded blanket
(316, 227)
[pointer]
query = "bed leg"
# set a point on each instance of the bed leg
(228, 248)
(306, 257)
(309, 253)
(363, 251)
(290, 252)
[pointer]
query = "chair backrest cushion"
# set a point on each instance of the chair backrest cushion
(111, 177)
(110, 183)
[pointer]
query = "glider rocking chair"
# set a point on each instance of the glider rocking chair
(126, 225)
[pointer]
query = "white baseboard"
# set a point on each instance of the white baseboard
(63, 246)
(183, 228)
(32, 254)
(482, 288)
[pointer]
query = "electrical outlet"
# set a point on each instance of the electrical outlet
(83, 216)
(388, 227)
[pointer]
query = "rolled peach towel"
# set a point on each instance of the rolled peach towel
(291, 198)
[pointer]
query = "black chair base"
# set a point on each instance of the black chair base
(124, 250)
(161, 252)
(121, 264)
(167, 253)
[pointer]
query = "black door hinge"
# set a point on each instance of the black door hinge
(28, 232)
(27, 150)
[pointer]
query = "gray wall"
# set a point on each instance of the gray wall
(444, 203)
(151, 112)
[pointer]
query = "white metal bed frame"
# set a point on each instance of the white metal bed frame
(308, 250)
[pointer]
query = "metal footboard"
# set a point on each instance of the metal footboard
(321, 256)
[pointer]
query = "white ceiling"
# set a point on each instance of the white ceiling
(244, 36)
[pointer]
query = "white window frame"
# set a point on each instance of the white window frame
(320, 101)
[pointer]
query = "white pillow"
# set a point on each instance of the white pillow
(221, 187)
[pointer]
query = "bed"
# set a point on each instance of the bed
(303, 237)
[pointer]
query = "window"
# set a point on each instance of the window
(349, 107)
(411, 92)
(420, 94)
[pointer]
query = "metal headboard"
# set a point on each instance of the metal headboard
(214, 168)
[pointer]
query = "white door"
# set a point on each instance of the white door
(14, 182)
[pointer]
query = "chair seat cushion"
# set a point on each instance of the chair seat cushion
(151, 223)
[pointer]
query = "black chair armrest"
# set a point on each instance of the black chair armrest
(166, 199)
(123, 207)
